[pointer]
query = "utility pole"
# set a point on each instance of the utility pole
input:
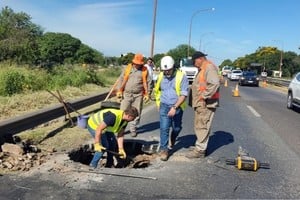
(153, 28)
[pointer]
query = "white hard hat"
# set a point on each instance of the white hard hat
(166, 63)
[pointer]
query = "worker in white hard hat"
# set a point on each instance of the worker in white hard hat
(171, 90)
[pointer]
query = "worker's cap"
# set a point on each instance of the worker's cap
(198, 54)
(138, 59)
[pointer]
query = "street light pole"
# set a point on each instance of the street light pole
(200, 43)
(191, 22)
(205, 46)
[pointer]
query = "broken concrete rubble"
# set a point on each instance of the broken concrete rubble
(16, 157)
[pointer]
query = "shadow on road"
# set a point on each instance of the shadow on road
(148, 127)
(216, 140)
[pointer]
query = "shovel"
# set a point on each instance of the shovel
(110, 104)
(117, 154)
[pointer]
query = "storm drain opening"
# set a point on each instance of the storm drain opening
(139, 155)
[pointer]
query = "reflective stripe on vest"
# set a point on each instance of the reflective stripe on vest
(202, 80)
(96, 119)
(126, 77)
(178, 79)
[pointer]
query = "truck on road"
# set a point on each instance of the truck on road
(187, 67)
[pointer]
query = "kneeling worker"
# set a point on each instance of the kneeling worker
(107, 126)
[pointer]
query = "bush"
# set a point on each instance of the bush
(11, 82)
(36, 80)
(20, 79)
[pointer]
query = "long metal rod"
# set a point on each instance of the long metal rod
(115, 174)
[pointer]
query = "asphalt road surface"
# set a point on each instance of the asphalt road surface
(258, 121)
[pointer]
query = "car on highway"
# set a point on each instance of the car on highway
(226, 70)
(235, 74)
(249, 78)
(293, 96)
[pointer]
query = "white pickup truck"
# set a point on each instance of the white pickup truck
(187, 67)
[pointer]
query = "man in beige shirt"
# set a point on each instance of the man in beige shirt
(134, 84)
(205, 99)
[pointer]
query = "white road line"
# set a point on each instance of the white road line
(253, 111)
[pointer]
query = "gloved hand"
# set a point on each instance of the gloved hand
(146, 99)
(98, 147)
(119, 95)
(122, 153)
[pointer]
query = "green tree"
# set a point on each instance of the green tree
(226, 62)
(156, 59)
(87, 55)
(126, 58)
(58, 48)
(18, 37)
(180, 52)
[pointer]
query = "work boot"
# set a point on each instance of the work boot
(195, 153)
(164, 155)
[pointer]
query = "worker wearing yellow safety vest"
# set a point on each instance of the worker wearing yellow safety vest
(205, 99)
(133, 89)
(171, 90)
(105, 126)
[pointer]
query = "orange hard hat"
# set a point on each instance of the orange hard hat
(138, 59)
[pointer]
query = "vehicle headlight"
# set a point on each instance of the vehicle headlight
(257, 78)
(243, 78)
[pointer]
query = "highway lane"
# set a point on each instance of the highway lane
(271, 105)
(234, 125)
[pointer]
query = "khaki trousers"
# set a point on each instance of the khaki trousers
(135, 100)
(202, 123)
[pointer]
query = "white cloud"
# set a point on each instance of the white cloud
(106, 27)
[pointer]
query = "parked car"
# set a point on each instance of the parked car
(226, 70)
(235, 74)
(228, 74)
(249, 78)
(293, 96)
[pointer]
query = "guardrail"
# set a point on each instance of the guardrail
(278, 81)
(16, 125)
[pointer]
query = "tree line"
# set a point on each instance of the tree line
(23, 42)
(268, 59)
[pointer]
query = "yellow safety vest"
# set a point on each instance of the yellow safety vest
(96, 119)
(178, 78)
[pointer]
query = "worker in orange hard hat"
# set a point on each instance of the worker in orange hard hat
(134, 87)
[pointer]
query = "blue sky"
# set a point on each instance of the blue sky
(235, 28)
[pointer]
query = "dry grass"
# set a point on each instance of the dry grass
(58, 133)
(20, 104)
